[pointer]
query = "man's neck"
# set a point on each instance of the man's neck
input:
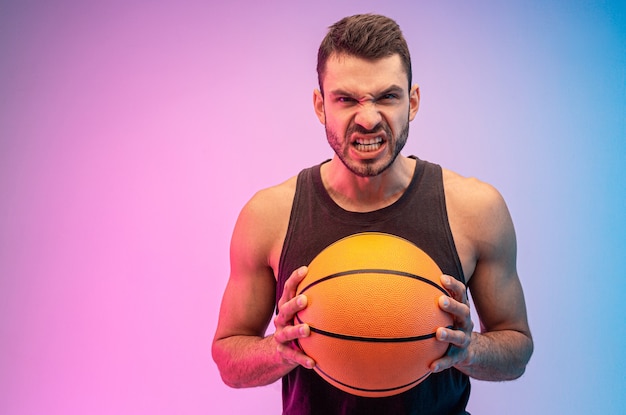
(365, 194)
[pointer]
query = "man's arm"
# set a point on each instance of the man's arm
(242, 352)
(504, 345)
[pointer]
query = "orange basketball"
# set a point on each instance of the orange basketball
(373, 312)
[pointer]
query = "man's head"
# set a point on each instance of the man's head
(365, 100)
(366, 36)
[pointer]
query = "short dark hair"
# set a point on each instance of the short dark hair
(366, 36)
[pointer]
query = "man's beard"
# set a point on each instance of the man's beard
(367, 168)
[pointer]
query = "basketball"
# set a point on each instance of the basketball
(373, 312)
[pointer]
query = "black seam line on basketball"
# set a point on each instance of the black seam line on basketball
(416, 381)
(371, 339)
(374, 271)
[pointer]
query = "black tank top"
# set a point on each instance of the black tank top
(419, 216)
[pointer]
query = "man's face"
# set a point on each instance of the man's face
(366, 109)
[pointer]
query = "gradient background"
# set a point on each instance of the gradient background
(131, 134)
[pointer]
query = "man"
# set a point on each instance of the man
(366, 101)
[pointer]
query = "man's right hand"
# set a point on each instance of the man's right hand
(286, 331)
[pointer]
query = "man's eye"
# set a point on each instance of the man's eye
(345, 100)
(388, 97)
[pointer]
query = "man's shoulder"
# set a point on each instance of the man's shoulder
(280, 195)
(472, 198)
(262, 224)
(458, 186)
(276, 195)
(271, 205)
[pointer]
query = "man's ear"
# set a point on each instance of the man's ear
(318, 105)
(414, 101)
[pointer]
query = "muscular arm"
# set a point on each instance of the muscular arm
(504, 345)
(486, 238)
(244, 355)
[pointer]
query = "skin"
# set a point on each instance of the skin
(369, 102)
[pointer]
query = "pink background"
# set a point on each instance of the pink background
(131, 134)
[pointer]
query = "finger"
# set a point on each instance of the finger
(442, 364)
(288, 334)
(457, 338)
(295, 355)
(459, 309)
(291, 285)
(455, 287)
(288, 310)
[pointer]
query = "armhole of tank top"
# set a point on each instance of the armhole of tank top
(282, 273)
(448, 229)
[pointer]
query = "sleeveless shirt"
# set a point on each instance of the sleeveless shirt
(419, 216)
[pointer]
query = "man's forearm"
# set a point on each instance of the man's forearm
(248, 361)
(497, 355)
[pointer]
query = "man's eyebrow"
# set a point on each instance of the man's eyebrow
(396, 89)
(393, 89)
(340, 92)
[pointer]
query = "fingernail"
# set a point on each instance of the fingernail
(304, 330)
(436, 369)
(445, 279)
(301, 301)
(446, 302)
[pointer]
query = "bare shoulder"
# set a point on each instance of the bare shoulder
(263, 221)
(278, 196)
(470, 195)
(479, 219)
(270, 207)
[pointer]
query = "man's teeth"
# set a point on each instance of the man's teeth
(369, 141)
(368, 144)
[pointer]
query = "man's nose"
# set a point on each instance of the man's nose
(368, 115)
